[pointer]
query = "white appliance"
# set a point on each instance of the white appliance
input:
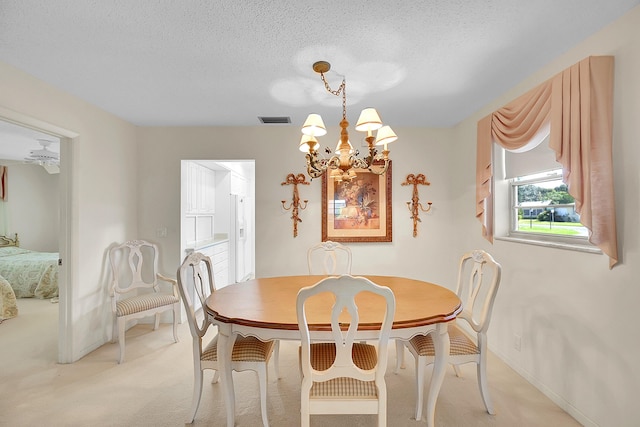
(241, 244)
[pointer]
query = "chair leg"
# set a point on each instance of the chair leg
(262, 381)
(399, 356)
(157, 321)
(216, 376)
(176, 316)
(458, 371)
(121, 324)
(421, 365)
(197, 392)
(304, 419)
(114, 332)
(482, 383)
(276, 358)
(304, 404)
(382, 407)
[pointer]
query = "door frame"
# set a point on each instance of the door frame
(67, 241)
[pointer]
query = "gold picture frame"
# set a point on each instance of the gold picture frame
(357, 211)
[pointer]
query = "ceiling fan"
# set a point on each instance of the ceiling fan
(50, 160)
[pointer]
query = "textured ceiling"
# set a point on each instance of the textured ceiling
(226, 62)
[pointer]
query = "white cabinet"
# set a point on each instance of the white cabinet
(207, 190)
(192, 169)
(219, 255)
(220, 261)
(198, 222)
(238, 184)
(201, 189)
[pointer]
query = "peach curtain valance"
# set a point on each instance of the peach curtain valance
(578, 105)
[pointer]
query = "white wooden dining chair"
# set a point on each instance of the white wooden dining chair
(135, 288)
(329, 258)
(342, 376)
(195, 277)
(478, 282)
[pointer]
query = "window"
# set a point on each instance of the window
(542, 209)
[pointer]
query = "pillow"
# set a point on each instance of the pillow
(8, 307)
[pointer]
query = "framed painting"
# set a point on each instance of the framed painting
(359, 210)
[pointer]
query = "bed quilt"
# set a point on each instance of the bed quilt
(30, 273)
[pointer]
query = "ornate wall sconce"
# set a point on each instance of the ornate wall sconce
(414, 205)
(293, 179)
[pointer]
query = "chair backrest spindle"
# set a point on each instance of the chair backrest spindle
(196, 271)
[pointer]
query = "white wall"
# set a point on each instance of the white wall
(430, 256)
(103, 211)
(577, 318)
(33, 207)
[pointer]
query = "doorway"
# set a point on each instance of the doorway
(218, 216)
(65, 138)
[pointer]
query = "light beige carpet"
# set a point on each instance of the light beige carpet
(154, 386)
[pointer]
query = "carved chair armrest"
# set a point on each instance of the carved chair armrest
(112, 295)
(173, 282)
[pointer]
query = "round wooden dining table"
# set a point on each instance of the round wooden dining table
(266, 308)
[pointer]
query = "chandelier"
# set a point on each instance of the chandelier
(345, 159)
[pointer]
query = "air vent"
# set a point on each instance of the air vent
(274, 120)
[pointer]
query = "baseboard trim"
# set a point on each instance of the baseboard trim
(553, 396)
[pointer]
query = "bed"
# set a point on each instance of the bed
(31, 274)
(8, 306)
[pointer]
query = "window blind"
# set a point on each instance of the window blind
(535, 157)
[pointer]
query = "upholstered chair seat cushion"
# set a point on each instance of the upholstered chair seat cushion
(364, 357)
(245, 349)
(461, 344)
(144, 302)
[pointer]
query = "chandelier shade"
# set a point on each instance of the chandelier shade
(308, 143)
(385, 136)
(314, 126)
(369, 120)
(345, 159)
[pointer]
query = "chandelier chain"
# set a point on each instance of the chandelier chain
(342, 89)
